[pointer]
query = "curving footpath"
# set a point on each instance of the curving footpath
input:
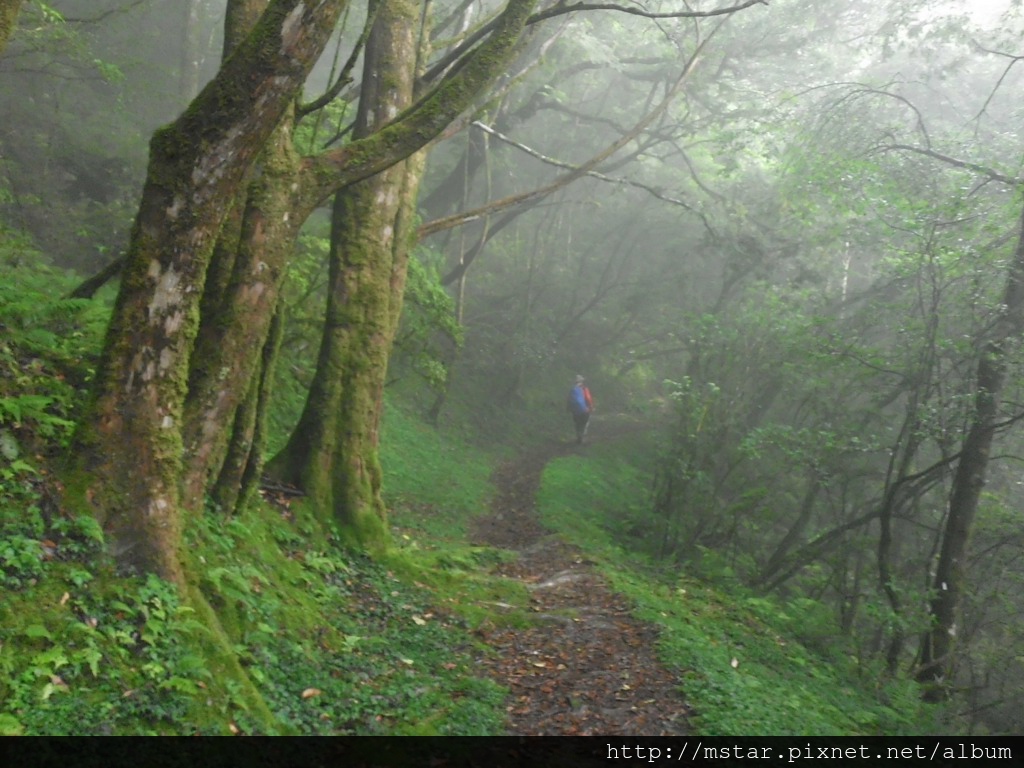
(586, 666)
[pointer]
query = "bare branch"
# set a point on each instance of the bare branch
(920, 120)
(1013, 60)
(963, 164)
(561, 8)
(344, 77)
(593, 174)
(579, 171)
(103, 15)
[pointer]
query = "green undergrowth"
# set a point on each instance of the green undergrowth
(320, 641)
(278, 634)
(337, 643)
(436, 484)
(281, 631)
(740, 666)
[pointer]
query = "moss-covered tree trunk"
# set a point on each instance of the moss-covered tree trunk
(8, 18)
(128, 449)
(332, 453)
(251, 258)
(242, 468)
(237, 311)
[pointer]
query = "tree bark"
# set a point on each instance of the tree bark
(332, 453)
(239, 303)
(128, 448)
(8, 19)
(246, 274)
(242, 468)
(939, 643)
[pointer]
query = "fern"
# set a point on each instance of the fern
(46, 356)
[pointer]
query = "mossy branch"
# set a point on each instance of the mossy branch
(419, 124)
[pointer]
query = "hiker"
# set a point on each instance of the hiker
(580, 406)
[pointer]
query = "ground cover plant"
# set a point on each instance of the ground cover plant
(744, 661)
(293, 633)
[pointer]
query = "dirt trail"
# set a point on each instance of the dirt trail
(588, 666)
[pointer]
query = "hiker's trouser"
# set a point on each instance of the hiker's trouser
(581, 420)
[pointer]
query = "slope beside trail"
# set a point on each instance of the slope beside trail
(586, 666)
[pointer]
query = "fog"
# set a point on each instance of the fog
(784, 234)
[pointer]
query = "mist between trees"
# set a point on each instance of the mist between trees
(787, 235)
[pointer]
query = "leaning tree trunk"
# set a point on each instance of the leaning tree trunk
(332, 453)
(128, 448)
(938, 644)
(237, 312)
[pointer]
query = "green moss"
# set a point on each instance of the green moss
(366, 531)
(228, 679)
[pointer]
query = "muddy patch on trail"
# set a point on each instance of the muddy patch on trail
(586, 666)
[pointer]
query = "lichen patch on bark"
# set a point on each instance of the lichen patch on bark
(166, 360)
(166, 294)
(251, 293)
(174, 322)
(291, 27)
(157, 507)
(175, 208)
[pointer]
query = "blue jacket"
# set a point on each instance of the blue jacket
(579, 399)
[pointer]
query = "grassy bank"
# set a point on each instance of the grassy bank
(330, 643)
(740, 657)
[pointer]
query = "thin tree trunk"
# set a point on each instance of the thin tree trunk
(188, 74)
(332, 453)
(242, 468)
(939, 643)
(795, 532)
